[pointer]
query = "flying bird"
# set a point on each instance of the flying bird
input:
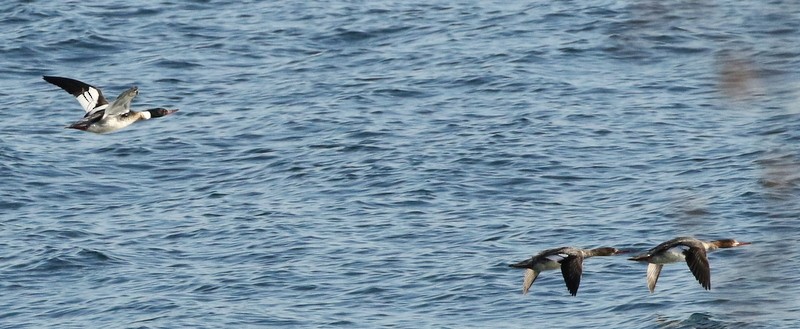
(568, 259)
(688, 249)
(102, 117)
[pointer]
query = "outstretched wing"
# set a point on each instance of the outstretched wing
(122, 104)
(653, 271)
(90, 98)
(572, 269)
(698, 264)
(527, 282)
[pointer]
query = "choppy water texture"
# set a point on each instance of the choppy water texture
(369, 163)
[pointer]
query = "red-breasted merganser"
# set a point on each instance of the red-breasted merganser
(692, 250)
(101, 117)
(568, 259)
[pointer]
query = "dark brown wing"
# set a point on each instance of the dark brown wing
(572, 269)
(698, 264)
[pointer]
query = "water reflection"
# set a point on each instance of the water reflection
(737, 77)
(695, 320)
(780, 174)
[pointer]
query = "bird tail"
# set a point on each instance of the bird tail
(639, 258)
(523, 264)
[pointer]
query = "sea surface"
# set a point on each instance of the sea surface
(366, 164)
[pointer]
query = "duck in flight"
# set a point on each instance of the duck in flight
(568, 259)
(688, 249)
(102, 117)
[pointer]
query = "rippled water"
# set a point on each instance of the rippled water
(368, 163)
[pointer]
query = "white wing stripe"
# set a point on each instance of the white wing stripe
(88, 99)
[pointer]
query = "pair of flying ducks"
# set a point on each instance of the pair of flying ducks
(570, 261)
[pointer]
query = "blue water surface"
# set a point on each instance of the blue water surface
(379, 163)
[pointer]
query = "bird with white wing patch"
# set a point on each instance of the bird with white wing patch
(102, 117)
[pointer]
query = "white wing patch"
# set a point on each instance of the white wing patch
(88, 100)
(557, 257)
